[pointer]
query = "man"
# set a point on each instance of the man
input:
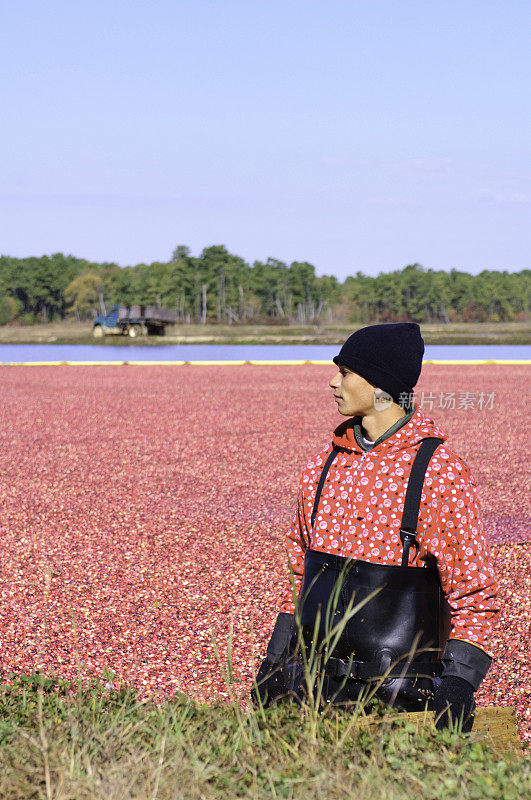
(354, 523)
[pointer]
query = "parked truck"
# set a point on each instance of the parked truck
(134, 321)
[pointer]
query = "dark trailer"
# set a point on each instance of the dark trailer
(134, 321)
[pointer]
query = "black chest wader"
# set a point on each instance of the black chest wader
(399, 632)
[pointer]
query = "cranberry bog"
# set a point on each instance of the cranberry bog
(143, 512)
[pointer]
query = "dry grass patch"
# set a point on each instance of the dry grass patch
(103, 743)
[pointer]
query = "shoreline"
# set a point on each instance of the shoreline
(502, 333)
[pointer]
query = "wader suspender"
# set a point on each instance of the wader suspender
(324, 473)
(410, 515)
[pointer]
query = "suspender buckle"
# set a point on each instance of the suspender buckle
(408, 538)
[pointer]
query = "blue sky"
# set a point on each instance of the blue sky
(354, 135)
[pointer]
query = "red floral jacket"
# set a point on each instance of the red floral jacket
(361, 508)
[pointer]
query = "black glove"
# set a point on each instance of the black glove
(453, 703)
(269, 683)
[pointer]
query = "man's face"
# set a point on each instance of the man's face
(354, 395)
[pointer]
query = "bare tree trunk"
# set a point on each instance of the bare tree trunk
(223, 297)
(220, 305)
(232, 316)
(198, 300)
(241, 307)
(204, 314)
(102, 305)
(310, 308)
(278, 306)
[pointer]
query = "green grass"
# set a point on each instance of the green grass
(95, 742)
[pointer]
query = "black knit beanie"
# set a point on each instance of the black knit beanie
(389, 356)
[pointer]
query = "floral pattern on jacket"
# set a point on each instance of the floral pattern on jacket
(361, 508)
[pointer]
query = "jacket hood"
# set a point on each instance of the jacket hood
(410, 433)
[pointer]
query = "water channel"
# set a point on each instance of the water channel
(31, 353)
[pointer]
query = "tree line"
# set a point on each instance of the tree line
(218, 286)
